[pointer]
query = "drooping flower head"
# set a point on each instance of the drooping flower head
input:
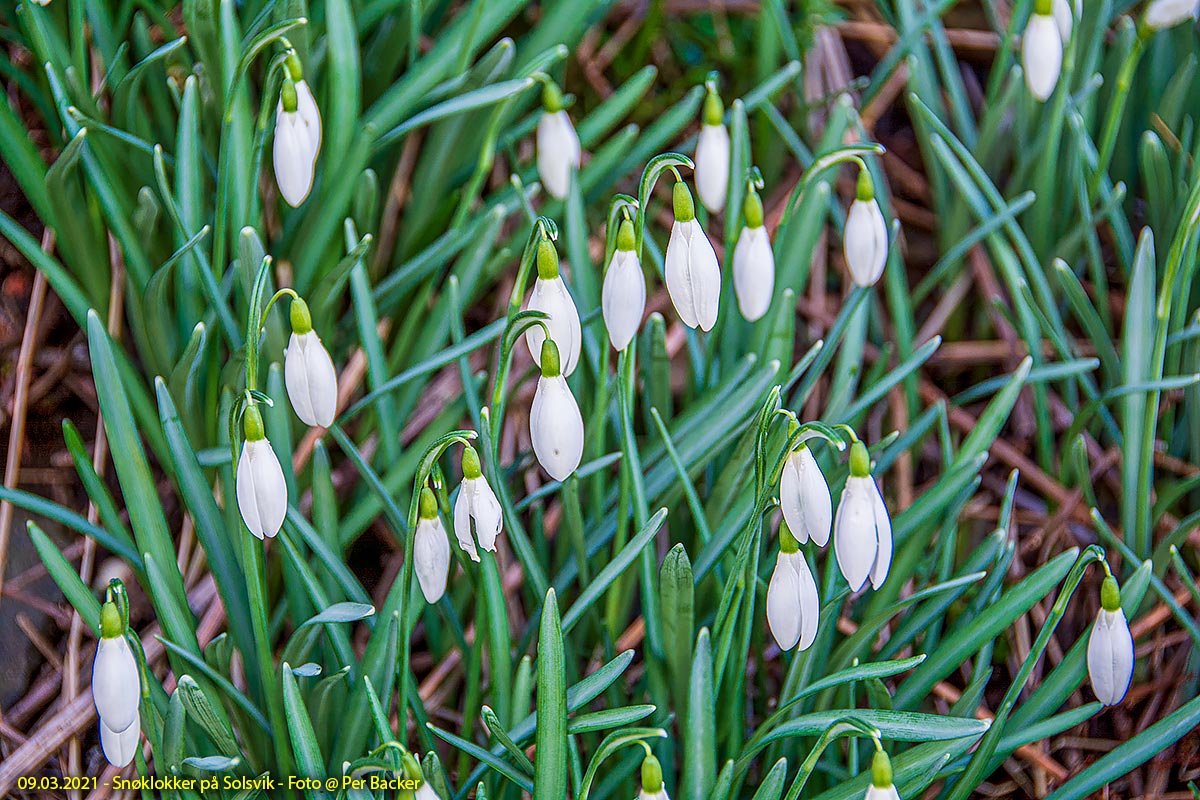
(555, 424)
(693, 276)
(431, 549)
(297, 134)
(882, 783)
(623, 298)
(551, 297)
(1163, 14)
(1110, 647)
(1042, 51)
(116, 689)
(652, 780)
(865, 243)
(712, 152)
(308, 371)
(793, 605)
(804, 497)
(753, 261)
(261, 488)
(862, 536)
(558, 150)
(478, 516)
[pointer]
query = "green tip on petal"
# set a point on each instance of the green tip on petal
(1110, 594)
(550, 365)
(547, 260)
(300, 316)
(787, 541)
(714, 109)
(470, 464)
(287, 96)
(860, 461)
(552, 98)
(252, 424)
(881, 770)
(685, 206)
(652, 780)
(110, 621)
(428, 504)
(865, 190)
(625, 237)
(752, 208)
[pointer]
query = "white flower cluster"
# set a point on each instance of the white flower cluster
(862, 535)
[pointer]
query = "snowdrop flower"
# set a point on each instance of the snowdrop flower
(623, 298)
(261, 489)
(881, 787)
(753, 262)
(1110, 648)
(297, 135)
(550, 296)
(1065, 16)
(477, 512)
(793, 605)
(555, 424)
(308, 371)
(652, 781)
(1042, 51)
(558, 149)
(804, 497)
(866, 239)
(712, 153)
(431, 549)
(693, 277)
(1162, 14)
(862, 536)
(116, 689)
(425, 792)
(412, 771)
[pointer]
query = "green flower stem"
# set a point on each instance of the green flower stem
(1116, 108)
(974, 773)
(852, 153)
(650, 175)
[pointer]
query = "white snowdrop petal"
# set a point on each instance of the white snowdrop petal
(791, 498)
(623, 299)
(1110, 657)
(425, 792)
(488, 515)
(754, 273)
(883, 534)
(462, 522)
(116, 685)
(712, 166)
(558, 151)
(1041, 55)
(865, 242)
(677, 272)
(815, 497)
(693, 275)
(552, 298)
(431, 558)
(1162, 14)
(556, 427)
(809, 602)
(1064, 17)
(120, 746)
(855, 542)
(876, 793)
(311, 380)
(306, 107)
(261, 489)
(783, 603)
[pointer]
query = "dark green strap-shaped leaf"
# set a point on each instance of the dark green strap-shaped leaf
(140, 492)
(700, 739)
(72, 587)
(550, 775)
(304, 740)
(612, 570)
